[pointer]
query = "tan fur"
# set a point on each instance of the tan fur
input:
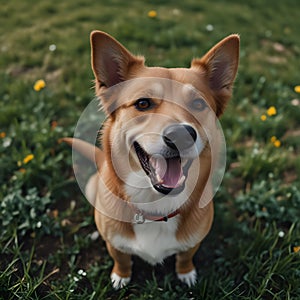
(122, 261)
(91, 152)
(213, 75)
(184, 260)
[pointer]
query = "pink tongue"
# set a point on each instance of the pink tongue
(173, 172)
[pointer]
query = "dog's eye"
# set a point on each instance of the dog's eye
(198, 104)
(143, 104)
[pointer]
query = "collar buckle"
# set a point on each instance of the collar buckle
(139, 218)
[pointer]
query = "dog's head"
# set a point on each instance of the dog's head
(158, 119)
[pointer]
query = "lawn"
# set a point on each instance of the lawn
(49, 248)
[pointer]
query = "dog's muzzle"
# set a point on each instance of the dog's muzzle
(165, 169)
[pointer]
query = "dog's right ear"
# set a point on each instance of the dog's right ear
(111, 62)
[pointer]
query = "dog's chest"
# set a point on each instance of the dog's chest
(153, 241)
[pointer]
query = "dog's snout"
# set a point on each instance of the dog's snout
(179, 136)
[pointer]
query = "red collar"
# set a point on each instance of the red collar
(140, 217)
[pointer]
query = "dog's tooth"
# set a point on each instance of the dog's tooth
(181, 180)
(153, 161)
(159, 179)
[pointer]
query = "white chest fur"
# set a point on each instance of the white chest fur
(153, 241)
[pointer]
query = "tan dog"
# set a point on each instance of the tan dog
(156, 158)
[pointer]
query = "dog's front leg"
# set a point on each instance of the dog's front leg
(121, 272)
(185, 268)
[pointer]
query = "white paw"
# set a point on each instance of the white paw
(119, 282)
(188, 278)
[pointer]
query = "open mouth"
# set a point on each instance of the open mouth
(166, 173)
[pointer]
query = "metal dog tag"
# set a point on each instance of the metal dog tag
(139, 218)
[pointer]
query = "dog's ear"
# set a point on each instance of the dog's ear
(111, 62)
(220, 65)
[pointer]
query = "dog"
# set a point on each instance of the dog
(155, 162)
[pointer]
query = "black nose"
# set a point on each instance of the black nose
(179, 136)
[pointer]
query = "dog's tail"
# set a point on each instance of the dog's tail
(91, 152)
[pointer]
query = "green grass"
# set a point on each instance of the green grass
(46, 245)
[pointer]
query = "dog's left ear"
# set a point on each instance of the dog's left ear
(220, 65)
(111, 61)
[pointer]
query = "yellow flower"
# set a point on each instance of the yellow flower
(277, 144)
(263, 117)
(297, 88)
(152, 14)
(273, 139)
(2, 134)
(296, 249)
(39, 85)
(271, 111)
(28, 158)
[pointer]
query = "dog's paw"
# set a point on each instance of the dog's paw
(119, 282)
(188, 278)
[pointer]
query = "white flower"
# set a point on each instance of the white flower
(209, 27)
(52, 47)
(94, 236)
(39, 224)
(81, 272)
(72, 204)
(6, 142)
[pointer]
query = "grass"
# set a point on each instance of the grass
(48, 248)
